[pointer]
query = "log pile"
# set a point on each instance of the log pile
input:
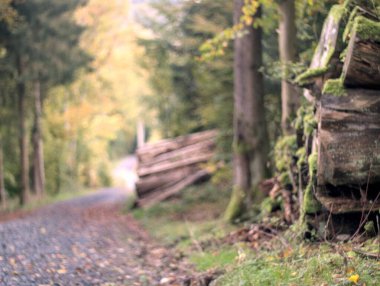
(168, 166)
(343, 84)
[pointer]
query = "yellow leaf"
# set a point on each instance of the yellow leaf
(354, 278)
(350, 270)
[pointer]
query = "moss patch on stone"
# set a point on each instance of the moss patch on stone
(334, 87)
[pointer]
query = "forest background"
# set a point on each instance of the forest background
(78, 76)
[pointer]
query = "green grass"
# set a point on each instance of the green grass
(185, 222)
(214, 259)
(169, 225)
(307, 264)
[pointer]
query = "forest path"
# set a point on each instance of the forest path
(83, 241)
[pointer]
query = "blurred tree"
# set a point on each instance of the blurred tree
(188, 95)
(41, 50)
(250, 131)
(287, 34)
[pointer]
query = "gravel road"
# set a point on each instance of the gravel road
(84, 241)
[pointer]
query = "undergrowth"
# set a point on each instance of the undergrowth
(192, 226)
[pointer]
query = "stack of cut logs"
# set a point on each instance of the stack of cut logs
(170, 165)
(343, 83)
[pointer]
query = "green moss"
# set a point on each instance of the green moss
(284, 178)
(367, 29)
(313, 160)
(308, 75)
(268, 205)
(301, 154)
(305, 119)
(350, 23)
(285, 147)
(334, 87)
(343, 54)
(309, 124)
(236, 206)
(369, 228)
(337, 12)
(310, 204)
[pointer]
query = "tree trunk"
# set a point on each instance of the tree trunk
(2, 186)
(250, 133)
(38, 159)
(23, 138)
(287, 48)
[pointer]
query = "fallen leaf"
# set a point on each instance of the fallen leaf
(354, 278)
(62, 271)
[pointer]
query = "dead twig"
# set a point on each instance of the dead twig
(367, 254)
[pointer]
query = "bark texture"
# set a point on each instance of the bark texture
(250, 132)
(2, 185)
(362, 63)
(23, 137)
(348, 138)
(38, 156)
(288, 50)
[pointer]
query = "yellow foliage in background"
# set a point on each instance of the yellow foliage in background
(105, 101)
